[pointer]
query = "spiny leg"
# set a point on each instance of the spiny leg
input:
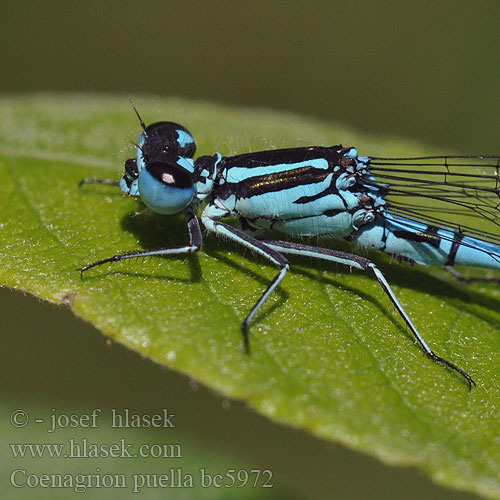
(95, 180)
(463, 279)
(195, 242)
(365, 264)
(223, 229)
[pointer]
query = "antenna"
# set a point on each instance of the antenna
(136, 112)
(136, 145)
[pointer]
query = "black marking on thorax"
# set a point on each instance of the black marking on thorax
(285, 180)
(277, 181)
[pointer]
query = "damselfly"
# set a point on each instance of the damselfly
(411, 208)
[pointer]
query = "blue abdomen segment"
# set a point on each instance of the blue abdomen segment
(426, 244)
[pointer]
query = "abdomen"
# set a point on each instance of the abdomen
(427, 245)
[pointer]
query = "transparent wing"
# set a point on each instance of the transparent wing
(455, 192)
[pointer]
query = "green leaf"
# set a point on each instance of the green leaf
(329, 353)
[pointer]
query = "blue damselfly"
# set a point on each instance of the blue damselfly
(421, 209)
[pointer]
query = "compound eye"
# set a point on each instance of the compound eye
(167, 138)
(166, 188)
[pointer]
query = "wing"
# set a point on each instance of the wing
(461, 193)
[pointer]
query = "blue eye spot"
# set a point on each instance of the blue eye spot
(184, 138)
(165, 188)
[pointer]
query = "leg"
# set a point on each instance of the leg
(195, 241)
(212, 223)
(460, 277)
(131, 173)
(364, 264)
(94, 180)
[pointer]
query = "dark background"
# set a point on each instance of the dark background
(425, 70)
